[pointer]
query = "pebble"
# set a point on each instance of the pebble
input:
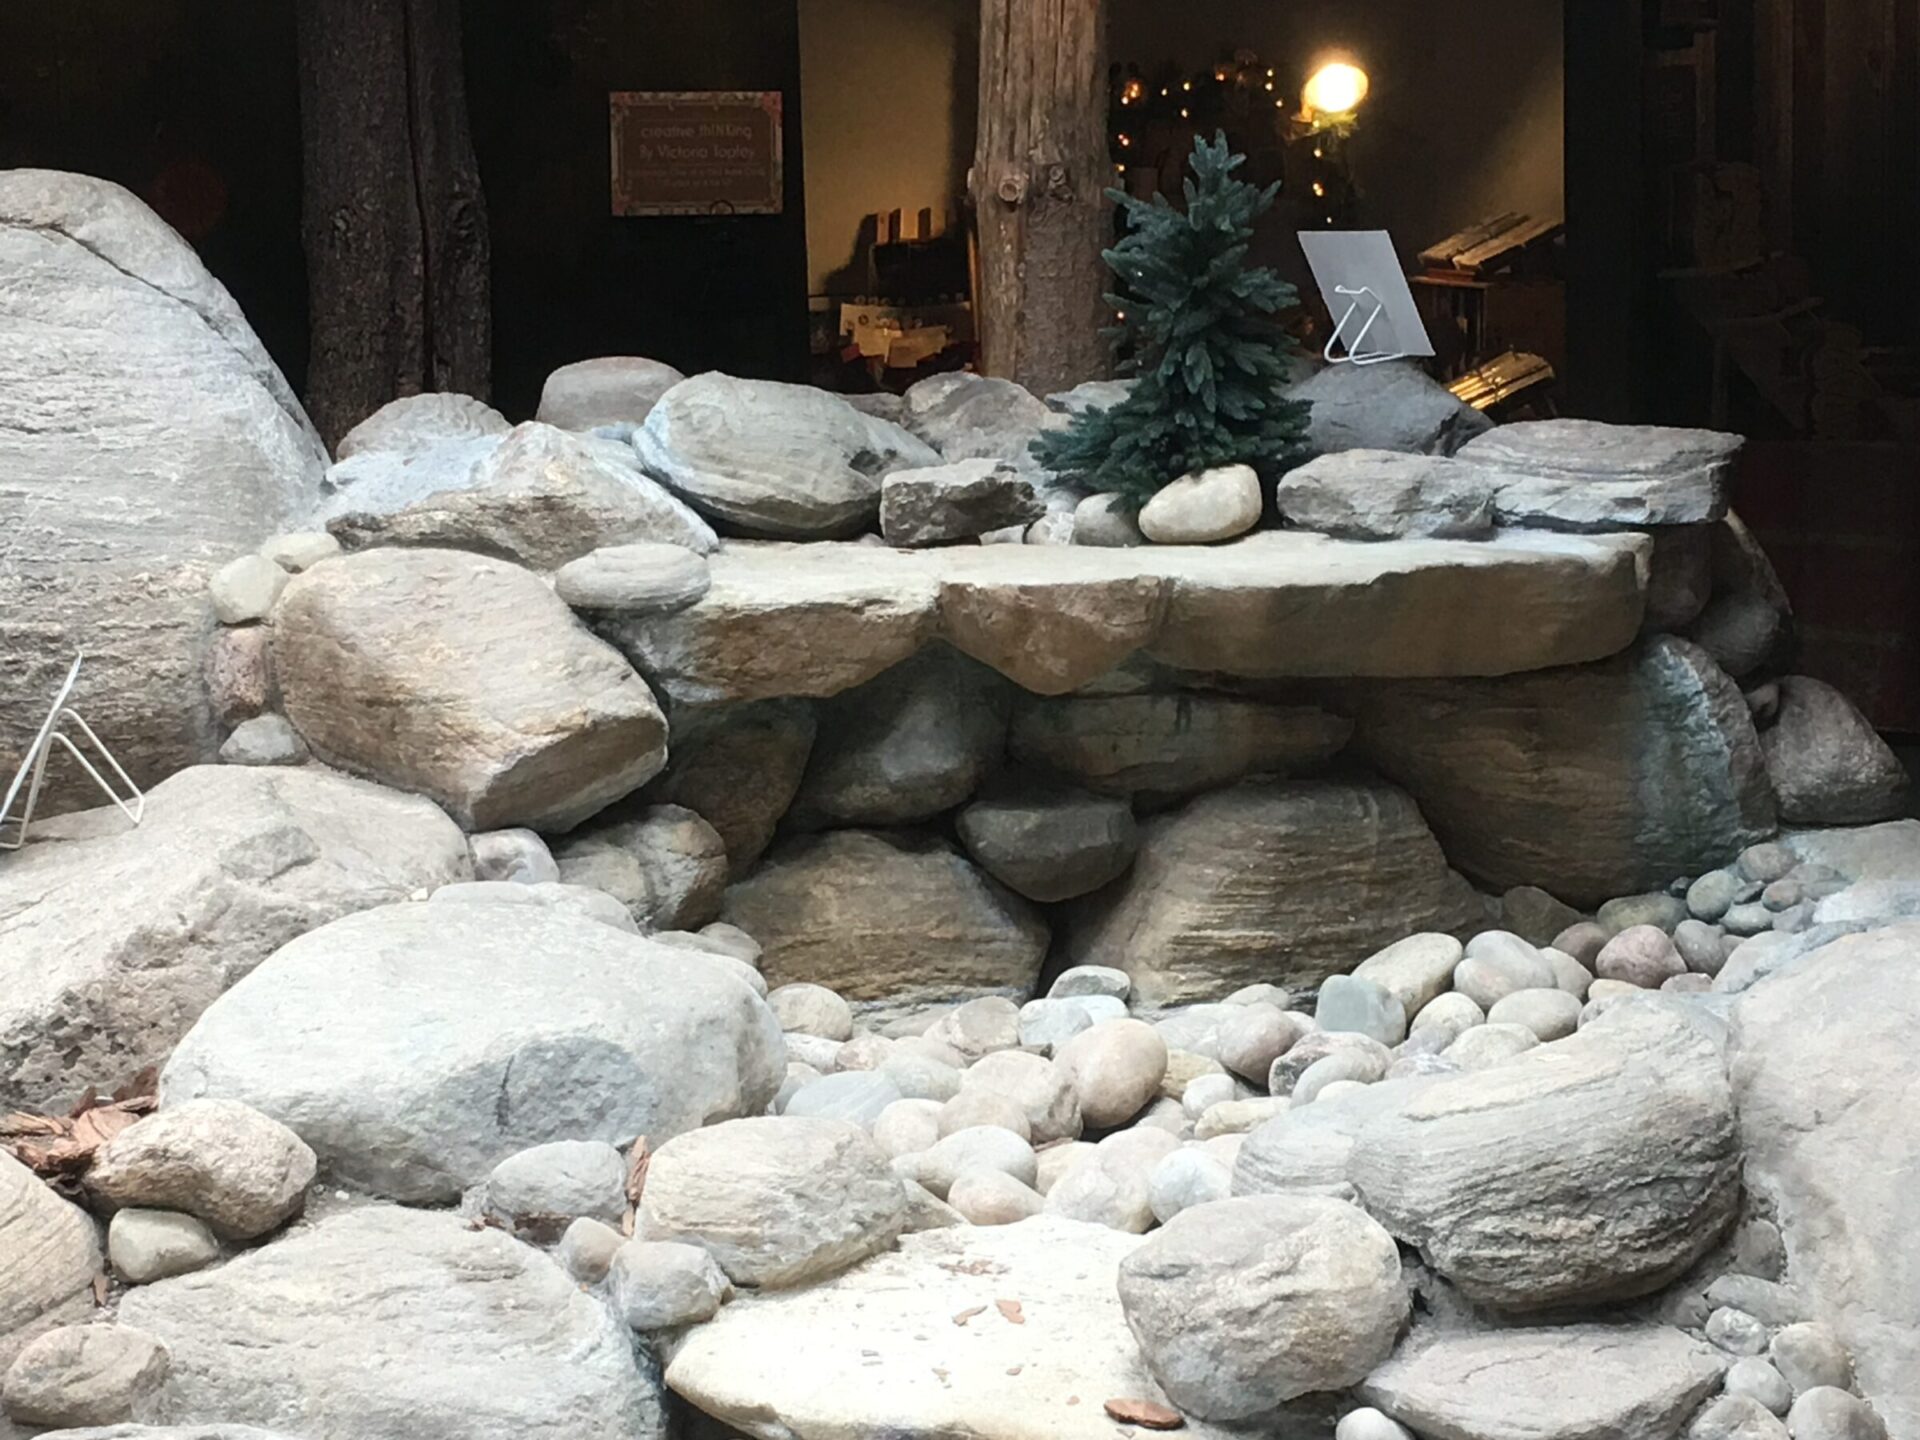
(83, 1375)
(1116, 1068)
(264, 740)
(1583, 941)
(1102, 520)
(1039, 1088)
(1736, 1417)
(1765, 1300)
(1497, 964)
(1287, 1071)
(1568, 973)
(1712, 895)
(1641, 955)
(1362, 1067)
(972, 1108)
(1407, 1066)
(563, 1178)
(1203, 1092)
(1827, 1413)
(1758, 1380)
(1183, 1068)
(1236, 1117)
(587, 1249)
(1055, 1160)
(1050, 1022)
(921, 1077)
(811, 1010)
(859, 1097)
(1701, 947)
(1759, 1250)
(1748, 918)
(979, 1027)
(1549, 1014)
(985, 1147)
(798, 1074)
(1736, 1332)
(244, 590)
(1187, 1177)
(1415, 970)
(822, 1054)
(1262, 993)
(1535, 915)
(1256, 1035)
(1763, 864)
(662, 1284)
(1203, 507)
(1811, 1357)
(242, 1172)
(301, 550)
(1091, 980)
(991, 1197)
(863, 1050)
(737, 942)
(1488, 1045)
(1367, 1423)
(1452, 1015)
(1349, 1004)
(646, 578)
(149, 1245)
(1657, 908)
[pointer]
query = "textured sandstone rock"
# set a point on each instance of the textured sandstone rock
(606, 390)
(242, 1172)
(640, 579)
(786, 461)
(1813, 1048)
(1586, 475)
(1049, 842)
(325, 1333)
(1218, 895)
(967, 417)
(49, 1254)
(466, 679)
(415, 423)
(1827, 765)
(663, 862)
(1171, 744)
(1388, 495)
(84, 1375)
(1594, 1169)
(886, 916)
(145, 439)
(940, 504)
(113, 939)
(1592, 782)
(541, 498)
(1581, 1382)
(416, 1046)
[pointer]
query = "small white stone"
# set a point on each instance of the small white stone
(149, 1245)
(244, 590)
(1201, 508)
(587, 1249)
(301, 550)
(1367, 1423)
(992, 1197)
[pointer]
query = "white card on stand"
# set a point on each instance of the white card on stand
(1359, 276)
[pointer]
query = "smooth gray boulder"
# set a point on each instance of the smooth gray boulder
(738, 767)
(1241, 1305)
(1387, 495)
(978, 417)
(1393, 406)
(466, 679)
(1827, 765)
(1812, 1052)
(146, 439)
(912, 742)
(606, 390)
(851, 910)
(645, 578)
(84, 1375)
(1597, 1168)
(413, 424)
(1588, 475)
(540, 498)
(113, 939)
(49, 1254)
(1591, 781)
(770, 459)
(545, 1186)
(330, 1335)
(414, 1047)
(1578, 1382)
(776, 1201)
(1049, 842)
(1216, 899)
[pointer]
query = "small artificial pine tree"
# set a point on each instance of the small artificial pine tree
(1208, 353)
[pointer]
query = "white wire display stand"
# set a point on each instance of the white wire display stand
(1358, 294)
(16, 814)
(1367, 297)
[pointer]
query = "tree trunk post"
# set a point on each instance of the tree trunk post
(394, 219)
(1040, 173)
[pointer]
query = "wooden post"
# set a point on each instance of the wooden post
(394, 220)
(1040, 173)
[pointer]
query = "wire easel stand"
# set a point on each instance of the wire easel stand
(33, 767)
(1354, 355)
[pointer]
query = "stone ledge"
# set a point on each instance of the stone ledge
(816, 619)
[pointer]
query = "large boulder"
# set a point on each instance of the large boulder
(776, 1201)
(738, 767)
(1588, 475)
(1817, 1052)
(1006, 1332)
(887, 916)
(1827, 765)
(977, 417)
(1281, 881)
(1171, 744)
(1387, 495)
(1597, 1168)
(384, 1322)
(909, 744)
(1591, 782)
(414, 424)
(540, 498)
(49, 1254)
(1577, 1382)
(146, 438)
(113, 938)
(241, 1172)
(663, 862)
(467, 679)
(606, 390)
(1394, 406)
(415, 1047)
(1241, 1305)
(766, 458)
(1747, 625)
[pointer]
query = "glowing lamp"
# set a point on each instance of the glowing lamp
(1336, 88)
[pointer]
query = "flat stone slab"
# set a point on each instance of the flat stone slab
(994, 1333)
(817, 619)
(1587, 475)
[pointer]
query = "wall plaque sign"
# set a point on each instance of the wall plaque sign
(696, 152)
